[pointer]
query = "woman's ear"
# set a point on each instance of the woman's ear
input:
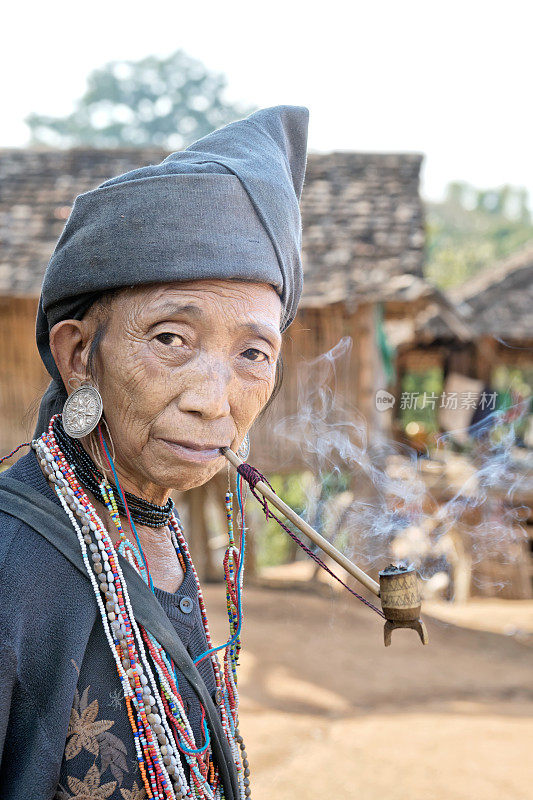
(70, 346)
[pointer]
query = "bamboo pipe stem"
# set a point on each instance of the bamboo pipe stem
(310, 532)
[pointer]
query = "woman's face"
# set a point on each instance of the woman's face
(184, 369)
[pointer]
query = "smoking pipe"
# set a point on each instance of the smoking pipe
(398, 587)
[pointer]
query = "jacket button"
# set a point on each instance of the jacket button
(186, 605)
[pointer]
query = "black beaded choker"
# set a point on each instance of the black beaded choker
(88, 474)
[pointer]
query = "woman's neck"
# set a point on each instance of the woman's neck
(157, 546)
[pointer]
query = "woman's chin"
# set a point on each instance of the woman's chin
(190, 480)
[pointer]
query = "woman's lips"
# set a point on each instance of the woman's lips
(190, 451)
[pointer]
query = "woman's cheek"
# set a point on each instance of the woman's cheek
(150, 381)
(130, 397)
(250, 401)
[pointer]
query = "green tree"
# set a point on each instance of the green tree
(167, 102)
(472, 229)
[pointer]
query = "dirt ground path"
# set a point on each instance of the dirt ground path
(328, 712)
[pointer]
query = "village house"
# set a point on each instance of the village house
(497, 307)
(363, 254)
(363, 244)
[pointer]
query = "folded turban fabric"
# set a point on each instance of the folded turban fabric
(226, 207)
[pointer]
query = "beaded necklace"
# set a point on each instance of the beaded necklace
(89, 475)
(161, 730)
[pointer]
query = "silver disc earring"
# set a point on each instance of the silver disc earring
(82, 411)
(244, 450)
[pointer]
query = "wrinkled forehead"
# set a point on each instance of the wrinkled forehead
(245, 301)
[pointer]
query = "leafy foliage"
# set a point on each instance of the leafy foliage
(167, 102)
(472, 229)
(311, 497)
(274, 546)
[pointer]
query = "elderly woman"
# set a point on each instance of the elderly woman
(160, 323)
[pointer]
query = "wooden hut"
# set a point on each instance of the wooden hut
(363, 244)
(497, 307)
(363, 251)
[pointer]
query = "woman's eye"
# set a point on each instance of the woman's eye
(169, 338)
(255, 355)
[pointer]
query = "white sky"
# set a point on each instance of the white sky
(449, 79)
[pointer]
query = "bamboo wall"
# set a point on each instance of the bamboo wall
(315, 332)
(23, 377)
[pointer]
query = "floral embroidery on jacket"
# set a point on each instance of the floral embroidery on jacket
(135, 793)
(83, 728)
(90, 788)
(87, 732)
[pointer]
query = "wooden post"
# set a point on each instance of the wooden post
(486, 358)
(198, 535)
(370, 372)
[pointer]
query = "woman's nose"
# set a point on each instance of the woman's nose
(207, 395)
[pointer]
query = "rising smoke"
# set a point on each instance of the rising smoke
(371, 496)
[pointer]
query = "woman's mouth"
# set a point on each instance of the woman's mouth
(191, 451)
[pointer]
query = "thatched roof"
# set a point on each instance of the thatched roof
(362, 224)
(37, 189)
(362, 217)
(496, 302)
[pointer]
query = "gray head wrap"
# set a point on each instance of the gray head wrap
(226, 207)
